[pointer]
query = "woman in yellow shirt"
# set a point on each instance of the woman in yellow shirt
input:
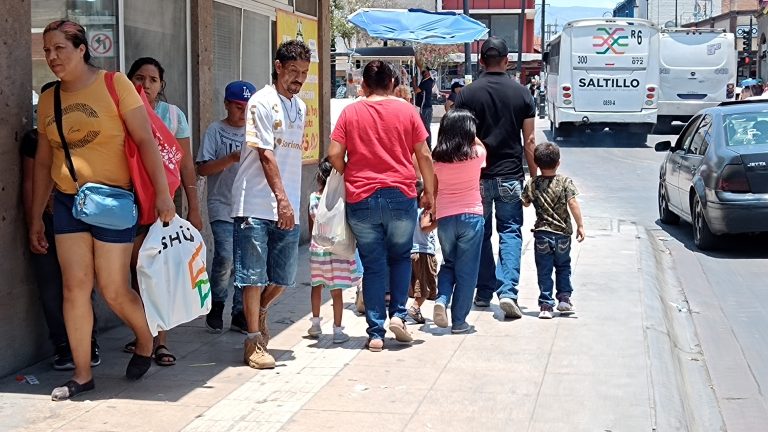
(95, 135)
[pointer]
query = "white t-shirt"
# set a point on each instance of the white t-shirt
(275, 123)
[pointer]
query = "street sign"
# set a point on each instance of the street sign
(102, 43)
(744, 30)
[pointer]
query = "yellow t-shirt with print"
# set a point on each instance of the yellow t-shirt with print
(94, 132)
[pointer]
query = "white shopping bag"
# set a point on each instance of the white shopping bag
(331, 230)
(172, 277)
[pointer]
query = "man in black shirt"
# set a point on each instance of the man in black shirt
(504, 109)
(424, 102)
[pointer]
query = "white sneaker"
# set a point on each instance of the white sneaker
(545, 314)
(565, 307)
(339, 337)
(440, 316)
(510, 308)
(315, 331)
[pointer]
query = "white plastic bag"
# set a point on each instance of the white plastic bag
(172, 277)
(331, 230)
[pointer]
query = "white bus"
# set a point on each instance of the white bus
(603, 73)
(697, 70)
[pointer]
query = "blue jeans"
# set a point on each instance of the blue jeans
(553, 250)
(383, 224)
(461, 237)
(504, 194)
(221, 274)
(264, 254)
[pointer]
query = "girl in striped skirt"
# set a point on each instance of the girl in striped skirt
(328, 270)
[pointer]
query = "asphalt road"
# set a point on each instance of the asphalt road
(726, 290)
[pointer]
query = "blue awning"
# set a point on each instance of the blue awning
(418, 25)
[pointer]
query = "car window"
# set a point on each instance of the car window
(746, 128)
(695, 145)
(684, 140)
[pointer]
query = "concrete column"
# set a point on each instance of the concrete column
(202, 65)
(22, 328)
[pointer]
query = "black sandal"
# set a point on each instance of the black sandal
(130, 347)
(138, 366)
(70, 389)
(166, 358)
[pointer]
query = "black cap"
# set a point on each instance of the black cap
(494, 47)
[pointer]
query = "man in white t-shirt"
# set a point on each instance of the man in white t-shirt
(266, 196)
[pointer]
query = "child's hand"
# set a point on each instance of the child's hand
(580, 234)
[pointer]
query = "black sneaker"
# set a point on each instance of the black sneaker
(62, 359)
(95, 356)
(239, 323)
(213, 321)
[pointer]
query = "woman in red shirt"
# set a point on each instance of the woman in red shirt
(379, 135)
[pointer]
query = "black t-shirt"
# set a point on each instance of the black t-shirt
(426, 88)
(500, 105)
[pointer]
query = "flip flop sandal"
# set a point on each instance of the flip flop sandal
(70, 389)
(138, 366)
(166, 358)
(130, 347)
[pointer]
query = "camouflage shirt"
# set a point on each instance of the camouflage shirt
(550, 196)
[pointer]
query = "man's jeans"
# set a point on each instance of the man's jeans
(221, 273)
(504, 194)
(426, 118)
(553, 250)
(461, 237)
(383, 224)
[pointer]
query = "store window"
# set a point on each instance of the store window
(504, 26)
(99, 17)
(158, 29)
(241, 49)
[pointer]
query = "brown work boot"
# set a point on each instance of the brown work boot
(263, 326)
(255, 354)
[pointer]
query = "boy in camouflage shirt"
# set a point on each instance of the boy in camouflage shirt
(553, 195)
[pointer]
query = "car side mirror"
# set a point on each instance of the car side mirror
(663, 146)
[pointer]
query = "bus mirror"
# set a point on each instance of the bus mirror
(545, 56)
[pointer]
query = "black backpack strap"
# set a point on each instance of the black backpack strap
(59, 117)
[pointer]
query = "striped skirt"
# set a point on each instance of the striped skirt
(331, 270)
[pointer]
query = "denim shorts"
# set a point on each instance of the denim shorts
(65, 223)
(263, 253)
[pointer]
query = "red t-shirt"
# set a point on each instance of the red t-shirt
(379, 137)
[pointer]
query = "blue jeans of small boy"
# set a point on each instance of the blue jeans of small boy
(461, 239)
(552, 252)
(222, 274)
(383, 225)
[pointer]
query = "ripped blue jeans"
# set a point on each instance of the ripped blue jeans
(553, 251)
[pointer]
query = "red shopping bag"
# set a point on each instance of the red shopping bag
(170, 151)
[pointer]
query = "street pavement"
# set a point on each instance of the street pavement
(722, 291)
(611, 367)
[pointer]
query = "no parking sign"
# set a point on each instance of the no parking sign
(102, 43)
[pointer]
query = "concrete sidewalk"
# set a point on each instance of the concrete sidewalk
(587, 372)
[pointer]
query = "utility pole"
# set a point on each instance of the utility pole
(520, 33)
(467, 52)
(542, 105)
(675, 13)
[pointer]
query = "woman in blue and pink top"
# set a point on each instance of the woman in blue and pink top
(458, 157)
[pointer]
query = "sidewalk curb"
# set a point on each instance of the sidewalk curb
(683, 399)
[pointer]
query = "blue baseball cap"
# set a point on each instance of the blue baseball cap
(239, 91)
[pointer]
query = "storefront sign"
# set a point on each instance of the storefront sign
(290, 26)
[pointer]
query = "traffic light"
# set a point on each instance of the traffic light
(747, 42)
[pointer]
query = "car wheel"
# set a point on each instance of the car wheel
(702, 236)
(665, 214)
